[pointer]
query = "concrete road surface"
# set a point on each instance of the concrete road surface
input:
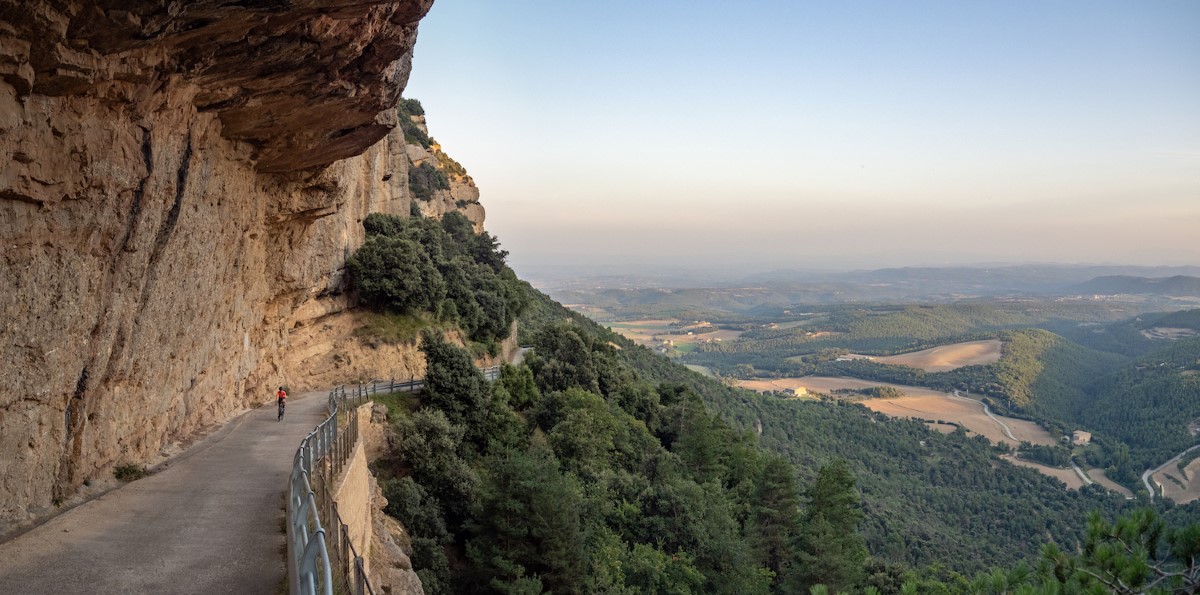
(209, 522)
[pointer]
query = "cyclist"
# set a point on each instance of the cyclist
(280, 399)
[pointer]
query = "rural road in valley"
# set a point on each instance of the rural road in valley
(1003, 426)
(1086, 480)
(1147, 473)
(209, 522)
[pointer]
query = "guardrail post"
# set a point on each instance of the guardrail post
(360, 576)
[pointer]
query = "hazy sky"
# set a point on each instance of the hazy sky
(838, 134)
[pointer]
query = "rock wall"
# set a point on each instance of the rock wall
(180, 186)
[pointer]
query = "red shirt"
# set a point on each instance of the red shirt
(281, 395)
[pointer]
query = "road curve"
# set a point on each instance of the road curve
(1149, 472)
(209, 522)
(1003, 426)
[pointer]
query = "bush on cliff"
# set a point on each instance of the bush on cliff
(425, 179)
(414, 265)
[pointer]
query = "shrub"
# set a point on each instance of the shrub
(442, 268)
(426, 179)
(129, 473)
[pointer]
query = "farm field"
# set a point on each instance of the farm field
(1067, 476)
(653, 333)
(1191, 483)
(948, 357)
(923, 403)
(1099, 477)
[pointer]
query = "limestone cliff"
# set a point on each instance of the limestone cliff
(180, 186)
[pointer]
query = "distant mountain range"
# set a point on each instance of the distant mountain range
(1178, 285)
(789, 287)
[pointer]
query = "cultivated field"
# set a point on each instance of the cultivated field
(825, 384)
(922, 403)
(1191, 483)
(656, 332)
(948, 357)
(1067, 476)
(1098, 476)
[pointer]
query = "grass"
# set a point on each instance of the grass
(129, 473)
(392, 329)
(397, 403)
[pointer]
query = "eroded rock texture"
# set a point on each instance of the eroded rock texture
(180, 186)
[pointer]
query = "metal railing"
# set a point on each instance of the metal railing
(312, 556)
(322, 456)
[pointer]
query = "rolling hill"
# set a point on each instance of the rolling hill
(1178, 285)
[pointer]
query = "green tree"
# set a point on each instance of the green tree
(1128, 557)
(832, 551)
(774, 520)
(454, 385)
(562, 359)
(396, 274)
(528, 527)
(432, 446)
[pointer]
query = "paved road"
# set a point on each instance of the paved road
(210, 522)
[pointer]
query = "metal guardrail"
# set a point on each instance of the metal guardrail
(323, 454)
(318, 565)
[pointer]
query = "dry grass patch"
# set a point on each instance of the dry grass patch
(917, 402)
(1098, 476)
(948, 357)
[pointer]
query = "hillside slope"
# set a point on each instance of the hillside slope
(930, 498)
(1150, 406)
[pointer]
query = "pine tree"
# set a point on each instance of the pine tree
(775, 518)
(832, 551)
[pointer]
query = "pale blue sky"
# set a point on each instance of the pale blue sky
(840, 134)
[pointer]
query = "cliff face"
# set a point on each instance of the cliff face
(180, 186)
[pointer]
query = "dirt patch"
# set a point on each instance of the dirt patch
(1067, 476)
(948, 357)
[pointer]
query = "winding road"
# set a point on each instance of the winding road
(986, 410)
(210, 521)
(1149, 472)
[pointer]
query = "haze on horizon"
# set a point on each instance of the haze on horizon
(826, 135)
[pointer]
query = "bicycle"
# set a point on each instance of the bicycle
(281, 404)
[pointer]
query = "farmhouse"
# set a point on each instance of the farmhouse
(1081, 438)
(799, 391)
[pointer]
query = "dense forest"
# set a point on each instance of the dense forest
(1145, 408)
(929, 498)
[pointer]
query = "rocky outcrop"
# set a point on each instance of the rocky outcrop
(303, 82)
(461, 194)
(180, 186)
